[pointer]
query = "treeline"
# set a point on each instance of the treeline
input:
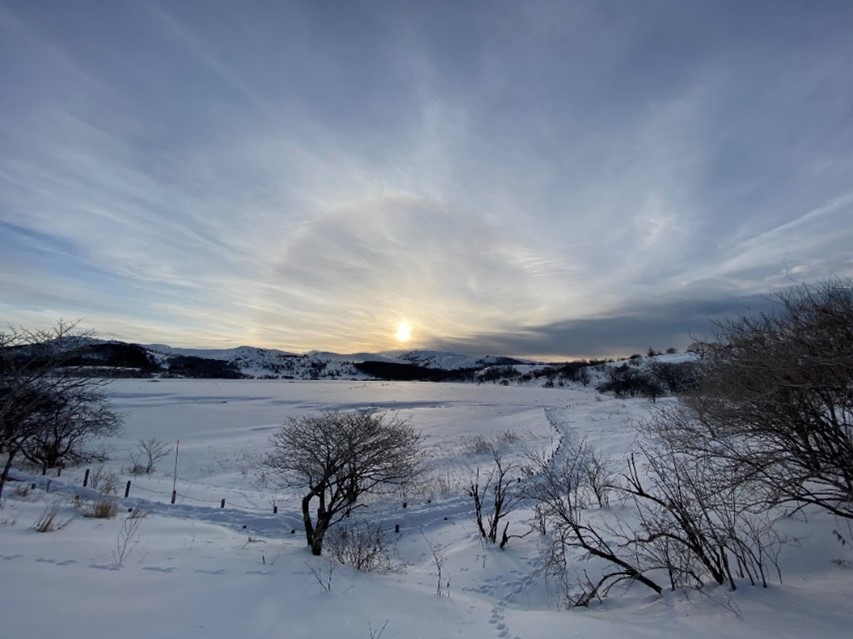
(393, 371)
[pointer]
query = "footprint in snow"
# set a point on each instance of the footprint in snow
(105, 566)
(160, 568)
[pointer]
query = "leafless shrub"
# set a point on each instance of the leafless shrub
(49, 520)
(439, 559)
(105, 507)
(597, 475)
(323, 572)
(375, 633)
(775, 404)
(482, 445)
(104, 480)
(361, 545)
(558, 489)
(697, 521)
(22, 491)
(441, 486)
(146, 455)
(495, 497)
(128, 536)
(9, 519)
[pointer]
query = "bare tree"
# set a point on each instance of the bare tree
(560, 491)
(78, 415)
(147, 453)
(696, 522)
(340, 456)
(51, 404)
(775, 402)
(496, 497)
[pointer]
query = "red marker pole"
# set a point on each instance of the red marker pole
(175, 474)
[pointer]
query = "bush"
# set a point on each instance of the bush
(105, 507)
(49, 519)
(676, 378)
(362, 546)
(51, 406)
(775, 403)
(628, 381)
(147, 453)
(499, 373)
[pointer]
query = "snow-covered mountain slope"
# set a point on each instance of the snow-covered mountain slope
(249, 361)
(448, 361)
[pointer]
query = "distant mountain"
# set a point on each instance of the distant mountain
(636, 374)
(256, 363)
(451, 361)
(251, 362)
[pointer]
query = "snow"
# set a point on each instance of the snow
(197, 570)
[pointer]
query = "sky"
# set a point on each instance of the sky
(538, 179)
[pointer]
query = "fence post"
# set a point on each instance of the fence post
(222, 504)
(127, 489)
(86, 478)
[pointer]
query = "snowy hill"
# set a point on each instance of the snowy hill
(636, 374)
(262, 363)
(449, 361)
(117, 358)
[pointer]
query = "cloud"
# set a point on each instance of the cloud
(359, 271)
(303, 177)
(675, 324)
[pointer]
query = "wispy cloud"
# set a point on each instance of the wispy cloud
(303, 175)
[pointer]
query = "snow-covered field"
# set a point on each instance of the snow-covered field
(195, 569)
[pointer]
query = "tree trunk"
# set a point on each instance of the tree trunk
(306, 518)
(6, 468)
(323, 521)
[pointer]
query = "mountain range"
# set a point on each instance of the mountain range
(126, 359)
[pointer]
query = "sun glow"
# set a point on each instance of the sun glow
(404, 332)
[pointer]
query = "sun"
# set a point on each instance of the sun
(404, 332)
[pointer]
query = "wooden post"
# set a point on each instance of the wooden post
(405, 504)
(127, 489)
(222, 504)
(275, 510)
(396, 528)
(86, 478)
(175, 474)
